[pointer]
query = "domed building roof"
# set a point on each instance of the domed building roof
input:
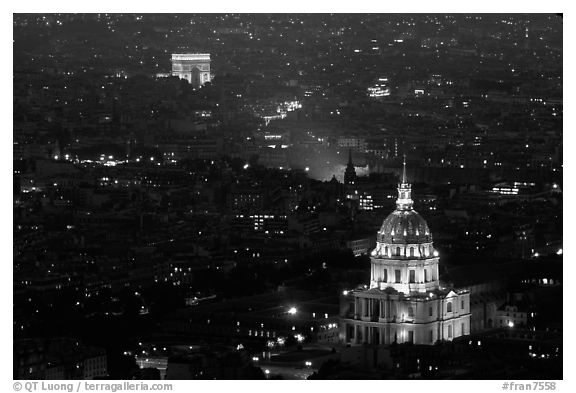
(404, 226)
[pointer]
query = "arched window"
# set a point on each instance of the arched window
(449, 307)
(386, 250)
(410, 311)
(398, 251)
(411, 251)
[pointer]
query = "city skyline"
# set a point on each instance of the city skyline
(253, 196)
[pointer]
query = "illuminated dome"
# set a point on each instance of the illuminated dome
(404, 233)
(404, 226)
(404, 258)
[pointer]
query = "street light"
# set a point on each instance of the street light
(292, 311)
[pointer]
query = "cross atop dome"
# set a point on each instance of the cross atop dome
(404, 170)
(404, 201)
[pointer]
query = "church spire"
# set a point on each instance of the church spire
(404, 170)
(404, 201)
(350, 173)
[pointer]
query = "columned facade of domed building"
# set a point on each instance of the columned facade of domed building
(404, 302)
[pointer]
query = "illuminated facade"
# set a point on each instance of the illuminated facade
(194, 67)
(404, 302)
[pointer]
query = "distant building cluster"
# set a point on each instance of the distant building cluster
(379, 89)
